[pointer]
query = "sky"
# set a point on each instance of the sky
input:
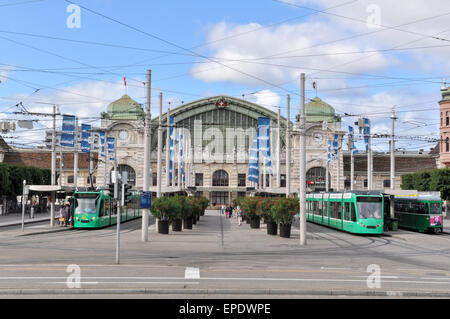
(366, 57)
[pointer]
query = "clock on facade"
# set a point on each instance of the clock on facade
(317, 138)
(123, 135)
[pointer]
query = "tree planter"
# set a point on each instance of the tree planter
(177, 224)
(187, 223)
(272, 228)
(194, 220)
(247, 220)
(198, 217)
(254, 223)
(285, 230)
(163, 226)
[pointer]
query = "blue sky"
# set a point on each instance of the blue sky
(360, 68)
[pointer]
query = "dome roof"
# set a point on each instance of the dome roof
(125, 108)
(319, 111)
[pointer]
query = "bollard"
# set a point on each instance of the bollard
(32, 212)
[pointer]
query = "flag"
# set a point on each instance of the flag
(366, 133)
(125, 81)
(85, 135)
(351, 143)
(264, 141)
(111, 148)
(253, 168)
(336, 145)
(171, 150)
(102, 142)
(68, 131)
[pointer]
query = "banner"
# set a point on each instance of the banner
(336, 146)
(102, 142)
(351, 143)
(181, 158)
(111, 148)
(171, 150)
(253, 167)
(329, 151)
(68, 131)
(264, 141)
(85, 135)
(366, 133)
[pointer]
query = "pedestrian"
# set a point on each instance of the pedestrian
(231, 211)
(66, 213)
(61, 215)
(226, 212)
(239, 215)
(222, 209)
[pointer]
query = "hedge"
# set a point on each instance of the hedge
(437, 180)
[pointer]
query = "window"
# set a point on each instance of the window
(94, 180)
(155, 179)
(353, 212)
(365, 183)
(198, 179)
(317, 208)
(220, 178)
(129, 171)
(316, 177)
(241, 180)
(369, 207)
(387, 183)
(282, 180)
(335, 210)
(447, 119)
(241, 194)
(70, 179)
(447, 145)
(347, 211)
(219, 198)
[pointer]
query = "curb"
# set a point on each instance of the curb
(256, 292)
(46, 232)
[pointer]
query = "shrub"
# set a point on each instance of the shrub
(284, 210)
(248, 207)
(264, 208)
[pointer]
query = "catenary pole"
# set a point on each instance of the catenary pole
(168, 149)
(158, 178)
(75, 156)
(288, 147)
(302, 192)
(392, 186)
(279, 150)
(53, 173)
(147, 143)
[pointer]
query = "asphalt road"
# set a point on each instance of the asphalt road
(218, 258)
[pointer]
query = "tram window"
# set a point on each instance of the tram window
(353, 212)
(369, 207)
(107, 207)
(347, 211)
(101, 211)
(435, 208)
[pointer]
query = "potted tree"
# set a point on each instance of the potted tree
(188, 211)
(283, 212)
(248, 206)
(177, 213)
(264, 209)
(160, 210)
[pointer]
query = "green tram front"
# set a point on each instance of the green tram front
(90, 209)
(355, 212)
(421, 212)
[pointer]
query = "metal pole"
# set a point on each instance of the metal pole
(339, 165)
(106, 158)
(116, 198)
(158, 178)
(24, 203)
(147, 150)
(393, 118)
(302, 192)
(179, 158)
(75, 156)
(369, 187)
(53, 173)
(168, 148)
(288, 148)
(279, 151)
(352, 169)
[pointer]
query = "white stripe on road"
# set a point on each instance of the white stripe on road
(192, 273)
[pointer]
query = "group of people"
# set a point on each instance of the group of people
(66, 214)
(230, 210)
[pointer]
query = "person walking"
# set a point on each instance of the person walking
(227, 210)
(239, 215)
(222, 209)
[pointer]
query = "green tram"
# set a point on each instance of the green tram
(96, 209)
(358, 212)
(421, 212)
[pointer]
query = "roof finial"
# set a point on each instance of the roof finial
(444, 85)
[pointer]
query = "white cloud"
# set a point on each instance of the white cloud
(268, 99)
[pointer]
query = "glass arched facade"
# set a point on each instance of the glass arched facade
(316, 178)
(131, 173)
(220, 178)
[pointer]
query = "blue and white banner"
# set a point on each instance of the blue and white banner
(68, 131)
(351, 145)
(102, 142)
(336, 146)
(329, 151)
(171, 150)
(85, 135)
(366, 133)
(253, 166)
(111, 148)
(264, 141)
(181, 158)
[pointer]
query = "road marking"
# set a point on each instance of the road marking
(192, 273)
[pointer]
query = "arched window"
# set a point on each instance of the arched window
(131, 174)
(220, 178)
(316, 177)
(447, 145)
